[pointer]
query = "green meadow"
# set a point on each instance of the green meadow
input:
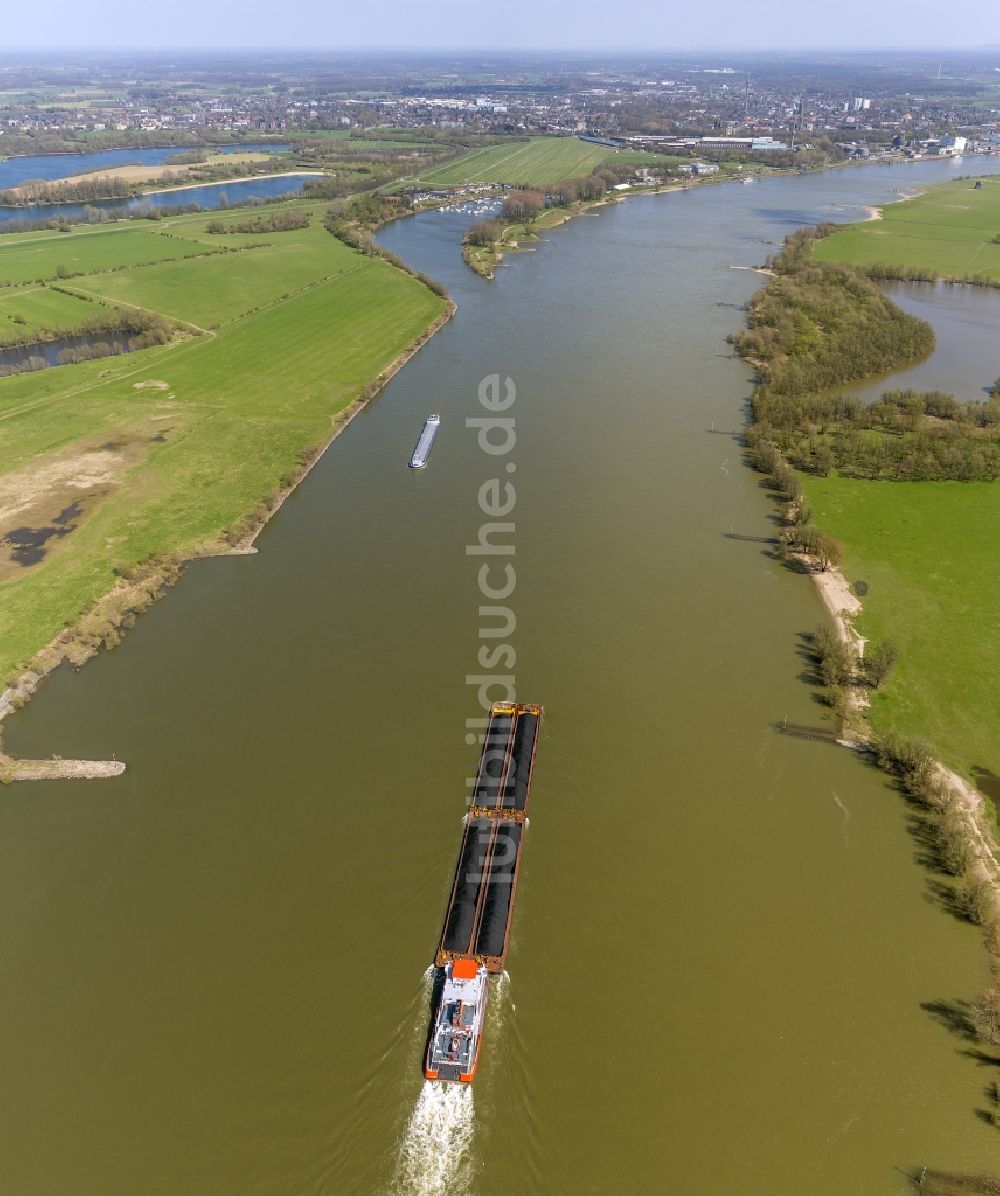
(264, 268)
(927, 550)
(39, 311)
(198, 433)
(928, 554)
(36, 257)
(951, 228)
(534, 163)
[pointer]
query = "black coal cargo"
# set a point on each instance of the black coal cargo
(493, 760)
(515, 788)
(469, 875)
(500, 890)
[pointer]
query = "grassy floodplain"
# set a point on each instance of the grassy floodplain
(533, 163)
(38, 312)
(928, 550)
(37, 257)
(950, 229)
(928, 553)
(158, 453)
(263, 268)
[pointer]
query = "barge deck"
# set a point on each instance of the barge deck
(481, 906)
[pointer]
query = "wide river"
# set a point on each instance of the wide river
(729, 971)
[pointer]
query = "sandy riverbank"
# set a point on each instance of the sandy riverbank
(249, 178)
(843, 606)
(875, 210)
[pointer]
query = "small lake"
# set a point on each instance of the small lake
(965, 361)
(208, 196)
(50, 167)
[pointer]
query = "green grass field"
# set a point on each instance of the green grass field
(642, 158)
(928, 551)
(180, 442)
(949, 229)
(536, 162)
(40, 310)
(227, 285)
(34, 257)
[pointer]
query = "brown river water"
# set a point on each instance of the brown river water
(729, 970)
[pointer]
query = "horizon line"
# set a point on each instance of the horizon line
(605, 49)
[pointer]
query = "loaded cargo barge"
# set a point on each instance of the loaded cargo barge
(476, 931)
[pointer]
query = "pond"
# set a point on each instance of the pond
(50, 167)
(206, 195)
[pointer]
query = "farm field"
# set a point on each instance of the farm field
(534, 163)
(111, 462)
(642, 158)
(40, 311)
(37, 257)
(347, 141)
(927, 551)
(950, 229)
(264, 268)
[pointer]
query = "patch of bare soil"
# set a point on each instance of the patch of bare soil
(44, 502)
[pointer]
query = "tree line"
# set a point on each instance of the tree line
(277, 222)
(354, 221)
(137, 329)
(888, 272)
(39, 191)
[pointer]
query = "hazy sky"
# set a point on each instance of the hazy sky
(546, 24)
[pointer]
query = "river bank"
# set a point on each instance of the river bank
(103, 625)
(309, 293)
(956, 794)
(788, 411)
(484, 259)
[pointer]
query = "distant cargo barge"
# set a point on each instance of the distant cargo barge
(426, 442)
(476, 931)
